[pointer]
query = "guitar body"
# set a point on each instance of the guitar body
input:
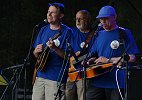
(72, 60)
(96, 70)
(75, 75)
(91, 71)
(42, 59)
(34, 76)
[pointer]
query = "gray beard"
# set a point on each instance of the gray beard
(79, 27)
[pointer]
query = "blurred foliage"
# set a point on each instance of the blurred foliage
(18, 17)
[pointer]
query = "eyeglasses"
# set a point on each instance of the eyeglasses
(80, 19)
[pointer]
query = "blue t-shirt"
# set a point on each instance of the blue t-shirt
(54, 64)
(102, 48)
(79, 41)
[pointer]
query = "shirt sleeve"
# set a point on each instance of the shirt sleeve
(130, 44)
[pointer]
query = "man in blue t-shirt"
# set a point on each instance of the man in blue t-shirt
(111, 85)
(81, 33)
(47, 78)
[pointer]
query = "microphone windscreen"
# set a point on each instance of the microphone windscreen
(43, 23)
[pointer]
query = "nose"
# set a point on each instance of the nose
(103, 20)
(77, 20)
(49, 13)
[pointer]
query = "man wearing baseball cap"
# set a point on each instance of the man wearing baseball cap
(111, 85)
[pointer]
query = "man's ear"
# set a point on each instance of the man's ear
(61, 16)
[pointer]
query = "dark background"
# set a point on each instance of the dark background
(18, 18)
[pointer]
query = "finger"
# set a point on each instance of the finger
(47, 43)
(40, 45)
(77, 53)
(97, 60)
(50, 39)
(92, 59)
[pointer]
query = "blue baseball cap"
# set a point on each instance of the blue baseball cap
(106, 11)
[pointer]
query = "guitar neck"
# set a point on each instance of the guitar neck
(55, 37)
(104, 65)
(81, 58)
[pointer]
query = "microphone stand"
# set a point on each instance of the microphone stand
(85, 61)
(125, 58)
(15, 67)
(36, 29)
(7, 87)
(84, 74)
(127, 77)
(86, 58)
(58, 93)
(26, 61)
(11, 80)
(77, 61)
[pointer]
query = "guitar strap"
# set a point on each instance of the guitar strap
(122, 38)
(88, 39)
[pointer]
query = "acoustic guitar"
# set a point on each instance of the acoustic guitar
(42, 58)
(73, 62)
(91, 71)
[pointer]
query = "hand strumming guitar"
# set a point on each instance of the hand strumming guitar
(58, 50)
(38, 50)
(91, 61)
(51, 44)
(101, 59)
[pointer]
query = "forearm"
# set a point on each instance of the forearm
(59, 51)
(131, 58)
(35, 54)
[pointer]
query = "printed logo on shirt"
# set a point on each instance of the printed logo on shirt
(82, 45)
(56, 42)
(114, 44)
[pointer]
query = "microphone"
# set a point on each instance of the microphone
(100, 26)
(72, 52)
(41, 24)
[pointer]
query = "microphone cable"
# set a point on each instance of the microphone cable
(118, 87)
